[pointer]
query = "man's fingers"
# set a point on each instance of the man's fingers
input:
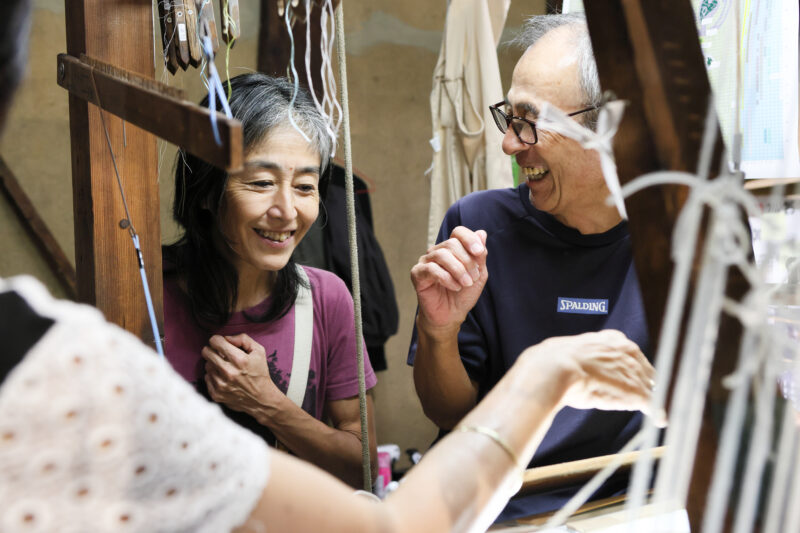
(472, 241)
(461, 268)
(433, 273)
(457, 249)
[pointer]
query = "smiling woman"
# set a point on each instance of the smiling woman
(268, 208)
(235, 324)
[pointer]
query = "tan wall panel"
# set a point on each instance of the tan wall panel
(35, 145)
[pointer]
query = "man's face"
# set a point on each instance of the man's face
(564, 179)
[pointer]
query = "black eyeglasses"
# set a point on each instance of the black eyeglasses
(524, 128)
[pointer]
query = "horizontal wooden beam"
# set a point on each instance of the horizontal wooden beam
(37, 229)
(574, 472)
(158, 109)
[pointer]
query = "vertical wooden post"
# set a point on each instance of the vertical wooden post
(120, 33)
(648, 53)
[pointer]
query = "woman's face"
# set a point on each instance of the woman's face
(269, 206)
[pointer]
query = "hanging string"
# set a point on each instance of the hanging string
(351, 227)
(295, 77)
(128, 224)
(726, 245)
(215, 89)
(329, 122)
(227, 23)
(688, 223)
(330, 102)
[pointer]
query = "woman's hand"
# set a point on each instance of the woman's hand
(237, 373)
(606, 369)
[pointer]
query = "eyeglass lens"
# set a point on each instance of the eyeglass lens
(523, 129)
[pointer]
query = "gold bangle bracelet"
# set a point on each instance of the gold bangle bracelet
(495, 436)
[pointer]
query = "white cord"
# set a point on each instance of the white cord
(295, 80)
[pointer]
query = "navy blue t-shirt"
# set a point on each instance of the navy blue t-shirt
(547, 280)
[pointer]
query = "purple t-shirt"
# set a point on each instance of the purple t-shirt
(333, 370)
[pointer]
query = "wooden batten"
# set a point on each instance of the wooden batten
(550, 477)
(158, 109)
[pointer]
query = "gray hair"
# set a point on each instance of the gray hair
(262, 103)
(538, 25)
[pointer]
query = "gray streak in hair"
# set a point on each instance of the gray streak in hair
(538, 25)
(262, 103)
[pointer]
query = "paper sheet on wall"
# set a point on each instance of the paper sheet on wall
(769, 100)
(769, 59)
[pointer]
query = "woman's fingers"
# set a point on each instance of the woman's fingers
(227, 351)
(214, 358)
(245, 342)
(214, 384)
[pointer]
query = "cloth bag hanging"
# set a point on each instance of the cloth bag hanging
(467, 147)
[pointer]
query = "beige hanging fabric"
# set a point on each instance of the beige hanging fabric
(467, 153)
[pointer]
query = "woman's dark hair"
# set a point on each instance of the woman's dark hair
(261, 103)
(15, 25)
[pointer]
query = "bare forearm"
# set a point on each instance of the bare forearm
(467, 469)
(460, 485)
(332, 449)
(442, 382)
(464, 481)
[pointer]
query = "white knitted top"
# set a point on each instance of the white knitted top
(97, 434)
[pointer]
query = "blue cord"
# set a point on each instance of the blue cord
(215, 89)
(150, 309)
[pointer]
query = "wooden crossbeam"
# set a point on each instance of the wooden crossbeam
(47, 244)
(156, 108)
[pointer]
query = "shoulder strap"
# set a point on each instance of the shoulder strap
(303, 335)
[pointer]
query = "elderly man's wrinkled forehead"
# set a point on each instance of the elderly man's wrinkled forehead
(548, 71)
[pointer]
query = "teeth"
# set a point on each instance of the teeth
(274, 235)
(534, 172)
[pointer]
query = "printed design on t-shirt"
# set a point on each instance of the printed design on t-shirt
(582, 306)
(281, 380)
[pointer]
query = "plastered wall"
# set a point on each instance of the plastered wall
(392, 50)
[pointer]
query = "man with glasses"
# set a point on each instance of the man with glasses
(515, 267)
